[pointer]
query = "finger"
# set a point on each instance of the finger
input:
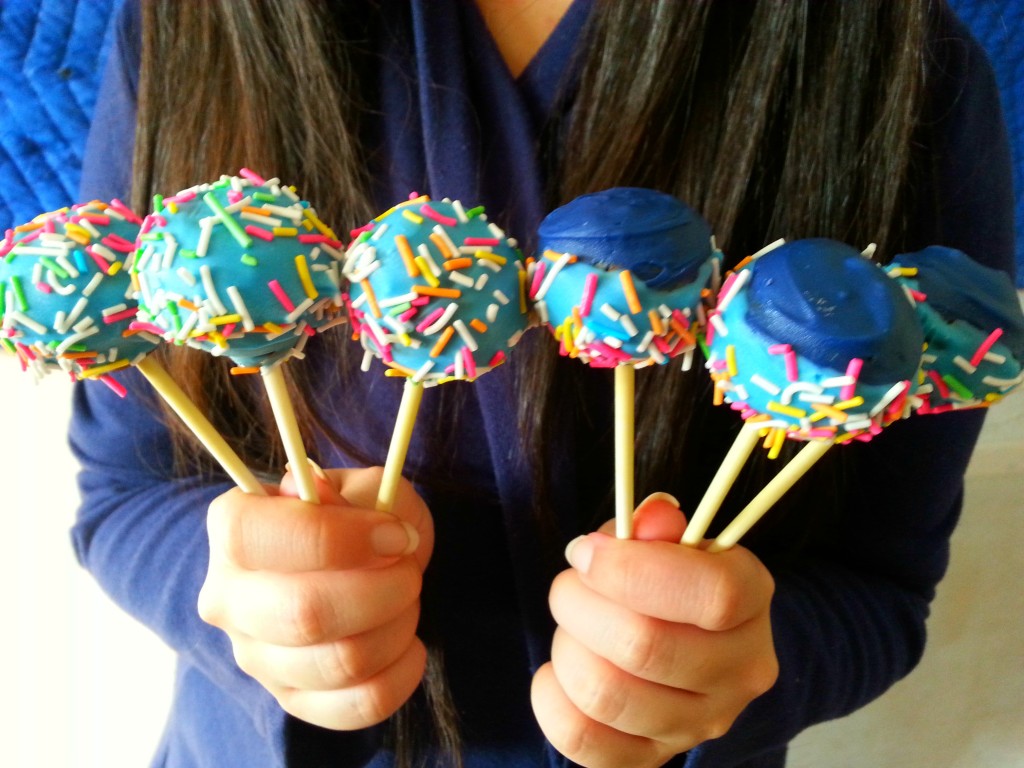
(677, 655)
(309, 608)
(326, 487)
(287, 535)
(603, 692)
(363, 705)
(580, 738)
(658, 518)
(680, 584)
(327, 666)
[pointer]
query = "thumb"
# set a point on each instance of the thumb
(326, 488)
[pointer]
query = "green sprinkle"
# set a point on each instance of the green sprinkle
(232, 226)
(172, 309)
(19, 293)
(474, 212)
(249, 261)
(3, 298)
(53, 266)
(152, 236)
(704, 348)
(187, 253)
(957, 386)
(264, 197)
(158, 203)
(364, 236)
(8, 345)
(395, 311)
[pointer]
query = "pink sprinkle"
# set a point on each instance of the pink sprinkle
(420, 301)
(318, 238)
(779, 349)
(181, 197)
(25, 350)
(661, 344)
(135, 325)
(252, 176)
(125, 211)
(44, 288)
(32, 236)
(469, 363)
(102, 263)
(227, 330)
(357, 232)
(610, 352)
(589, 289)
(792, 368)
(429, 320)
(234, 196)
(282, 297)
(498, 359)
(726, 286)
(409, 314)
(116, 387)
(309, 330)
(119, 316)
(481, 241)
(820, 434)
(118, 243)
(430, 213)
(940, 385)
(259, 232)
(382, 348)
(918, 296)
(538, 278)
(985, 346)
(853, 369)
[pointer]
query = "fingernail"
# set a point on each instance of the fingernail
(317, 469)
(580, 552)
(393, 539)
(661, 496)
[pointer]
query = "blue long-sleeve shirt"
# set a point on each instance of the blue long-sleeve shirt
(452, 122)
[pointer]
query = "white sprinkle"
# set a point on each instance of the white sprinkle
(73, 339)
(53, 282)
(612, 342)
(993, 357)
(422, 371)
(266, 220)
(294, 213)
(186, 277)
(239, 304)
(26, 321)
(205, 231)
(103, 251)
(440, 231)
(236, 207)
(76, 311)
(645, 342)
(894, 391)
(70, 268)
(169, 251)
(186, 328)
(367, 359)
(628, 325)
(760, 381)
(501, 297)
(719, 325)
(549, 278)
(441, 321)
(740, 394)
(211, 290)
(460, 212)
(481, 282)
(289, 193)
(795, 388)
(431, 264)
(992, 381)
(541, 308)
(394, 301)
(492, 312)
(610, 312)
(467, 337)
(299, 311)
(365, 272)
(869, 252)
(768, 248)
(838, 381)
(315, 253)
(459, 279)
(811, 397)
(687, 360)
(59, 322)
(964, 365)
(378, 233)
(656, 355)
(741, 279)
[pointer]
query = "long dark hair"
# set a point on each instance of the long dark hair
(774, 119)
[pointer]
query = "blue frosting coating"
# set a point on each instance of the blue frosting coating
(772, 357)
(964, 303)
(661, 240)
(64, 294)
(831, 305)
(448, 250)
(232, 292)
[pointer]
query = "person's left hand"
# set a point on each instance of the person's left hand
(659, 646)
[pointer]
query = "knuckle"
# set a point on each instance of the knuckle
(225, 529)
(723, 610)
(305, 619)
(340, 664)
(209, 605)
(639, 651)
(600, 698)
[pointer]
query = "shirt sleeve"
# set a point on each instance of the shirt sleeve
(849, 622)
(141, 526)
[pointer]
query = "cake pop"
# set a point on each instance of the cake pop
(810, 341)
(244, 268)
(620, 286)
(437, 294)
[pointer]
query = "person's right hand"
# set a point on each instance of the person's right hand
(321, 602)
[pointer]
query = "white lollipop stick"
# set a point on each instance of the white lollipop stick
(201, 427)
(730, 468)
(288, 426)
(625, 379)
(412, 394)
(770, 494)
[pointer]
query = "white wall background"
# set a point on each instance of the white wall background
(87, 687)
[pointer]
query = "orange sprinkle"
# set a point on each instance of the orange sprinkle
(478, 325)
(441, 342)
(242, 370)
(442, 246)
(522, 291)
(257, 211)
(453, 264)
(395, 369)
(555, 256)
(827, 411)
(408, 257)
(371, 298)
(30, 227)
(186, 304)
(719, 396)
(626, 278)
(78, 234)
(78, 355)
(656, 325)
(426, 290)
